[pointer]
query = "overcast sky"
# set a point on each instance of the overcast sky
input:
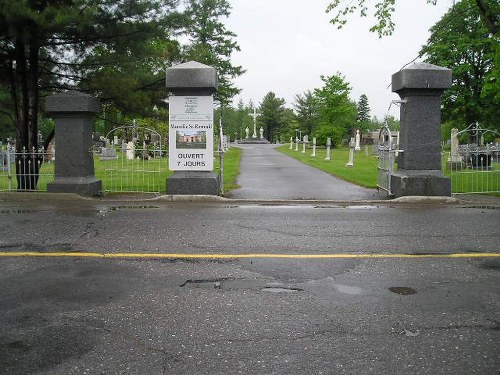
(286, 45)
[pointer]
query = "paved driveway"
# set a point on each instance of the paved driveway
(269, 174)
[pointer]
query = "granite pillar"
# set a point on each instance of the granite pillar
(420, 87)
(72, 112)
(192, 79)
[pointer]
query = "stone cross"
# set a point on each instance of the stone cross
(254, 115)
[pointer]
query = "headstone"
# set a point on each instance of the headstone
(291, 143)
(296, 143)
(314, 147)
(455, 160)
(357, 146)
(304, 140)
(261, 133)
(130, 150)
(350, 163)
(419, 164)
(328, 145)
(115, 140)
(247, 131)
(108, 153)
(72, 112)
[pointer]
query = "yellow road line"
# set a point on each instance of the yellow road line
(241, 256)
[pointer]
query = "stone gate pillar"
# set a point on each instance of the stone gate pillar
(419, 166)
(72, 112)
(191, 86)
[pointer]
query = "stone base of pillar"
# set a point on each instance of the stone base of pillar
(86, 186)
(420, 183)
(193, 183)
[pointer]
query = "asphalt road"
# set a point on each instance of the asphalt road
(268, 174)
(255, 288)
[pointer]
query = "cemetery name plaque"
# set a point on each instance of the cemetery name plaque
(191, 133)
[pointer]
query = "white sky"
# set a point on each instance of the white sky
(286, 45)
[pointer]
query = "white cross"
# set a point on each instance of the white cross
(254, 116)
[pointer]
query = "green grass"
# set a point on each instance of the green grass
(232, 160)
(364, 172)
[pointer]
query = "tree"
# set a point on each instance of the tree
(212, 44)
(363, 118)
(489, 11)
(307, 112)
(460, 41)
(52, 45)
(271, 116)
(337, 113)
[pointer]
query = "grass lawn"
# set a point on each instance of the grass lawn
(364, 172)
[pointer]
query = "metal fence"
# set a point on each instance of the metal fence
(27, 170)
(135, 166)
(475, 170)
(386, 159)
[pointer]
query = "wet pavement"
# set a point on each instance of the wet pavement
(67, 306)
(268, 174)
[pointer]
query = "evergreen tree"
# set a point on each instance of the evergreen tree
(307, 112)
(363, 118)
(52, 45)
(271, 116)
(212, 44)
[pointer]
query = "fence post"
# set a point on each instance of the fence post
(72, 112)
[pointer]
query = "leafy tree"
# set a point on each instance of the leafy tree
(52, 45)
(211, 43)
(460, 42)
(307, 112)
(337, 113)
(363, 118)
(489, 11)
(272, 116)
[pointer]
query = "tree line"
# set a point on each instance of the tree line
(118, 50)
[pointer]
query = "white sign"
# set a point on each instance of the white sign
(191, 134)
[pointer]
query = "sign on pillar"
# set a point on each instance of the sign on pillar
(191, 133)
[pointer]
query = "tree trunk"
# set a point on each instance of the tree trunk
(492, 23)
(25, 95)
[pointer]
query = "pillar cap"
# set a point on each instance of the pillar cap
(71, 101)
(422, 76)
(191, 75)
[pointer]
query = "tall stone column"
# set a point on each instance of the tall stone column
(193, 171)
(419, 167)
(72, 112)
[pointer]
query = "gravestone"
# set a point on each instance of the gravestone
(314, 147)
(108, 153)
(291, 143)
(420, 87)
(130, 150)
(357, 146)
(72, 112)
(455, 161)
(328, 145)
